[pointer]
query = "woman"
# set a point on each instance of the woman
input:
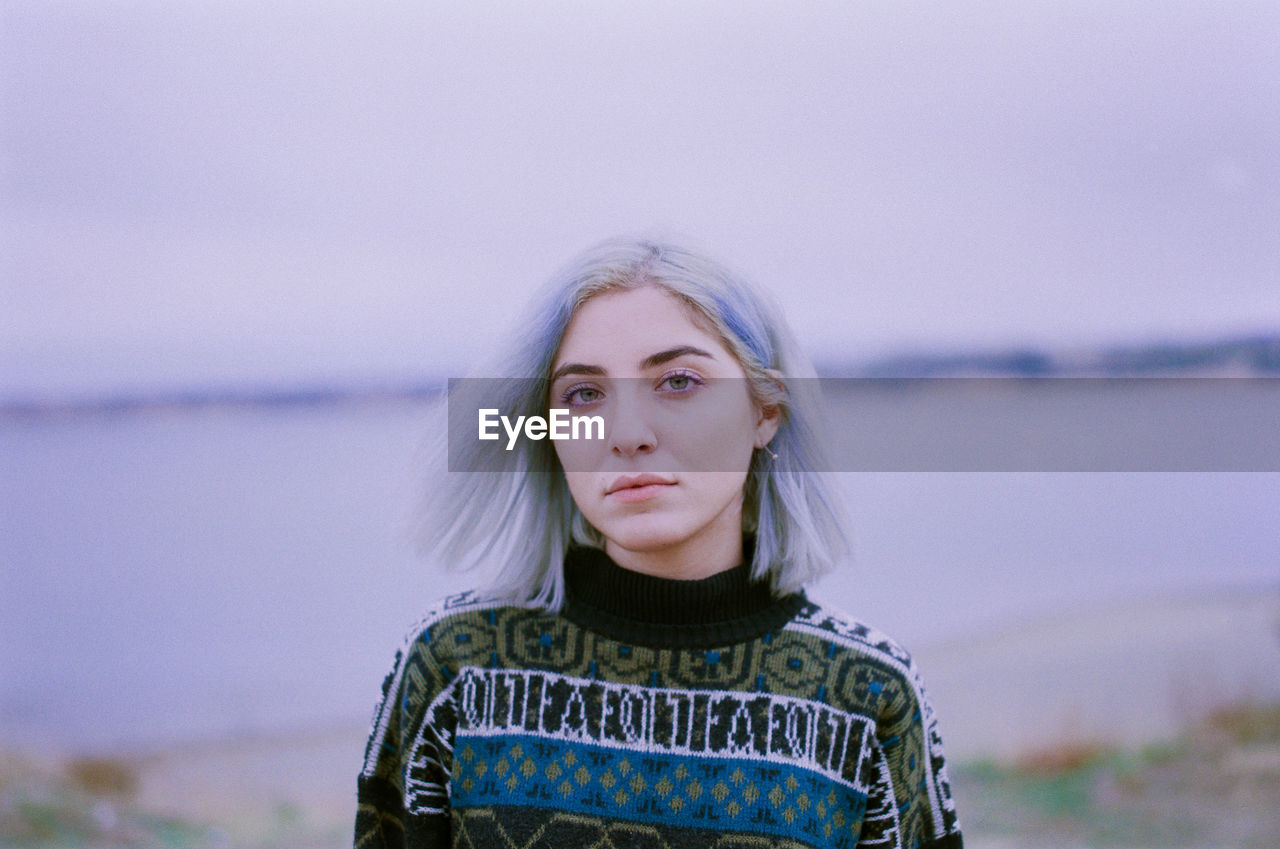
(648, 671)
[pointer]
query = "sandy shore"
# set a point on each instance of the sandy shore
(1121, 675)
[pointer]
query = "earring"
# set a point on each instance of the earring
(767, 450)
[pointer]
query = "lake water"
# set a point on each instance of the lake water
(195, 572)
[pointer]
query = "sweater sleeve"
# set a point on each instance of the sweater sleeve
(910, 804)
(402, 790)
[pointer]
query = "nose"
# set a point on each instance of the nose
(631, 430)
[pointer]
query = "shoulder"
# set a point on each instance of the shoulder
(458, 607)
(460, 629)
(850, 634)
(883, 664)
(456, 631)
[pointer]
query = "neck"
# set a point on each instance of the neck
(631, 607)
(716, 548)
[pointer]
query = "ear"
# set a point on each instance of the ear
(769, 417)
(767, 424)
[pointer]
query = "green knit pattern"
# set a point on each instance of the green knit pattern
(504, 727)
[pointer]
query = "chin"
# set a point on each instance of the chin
(645, 533)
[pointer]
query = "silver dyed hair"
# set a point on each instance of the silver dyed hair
(525, 520)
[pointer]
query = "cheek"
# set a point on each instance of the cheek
(712, 439)
(580, 488)
(580, 456)
(713, 491)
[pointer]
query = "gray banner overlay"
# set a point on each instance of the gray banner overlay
(950, 424)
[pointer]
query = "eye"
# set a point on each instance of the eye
(581, 395)
(680, 382)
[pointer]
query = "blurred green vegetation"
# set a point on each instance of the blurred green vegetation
(90, 804)
(1217, 785)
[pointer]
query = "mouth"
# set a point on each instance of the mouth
(640, 493)
(637, 487)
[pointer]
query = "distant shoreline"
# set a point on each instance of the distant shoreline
(186, 399)
(1252, 356)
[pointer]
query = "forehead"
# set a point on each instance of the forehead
(633, 323)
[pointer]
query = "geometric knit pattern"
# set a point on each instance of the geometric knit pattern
(503, 726)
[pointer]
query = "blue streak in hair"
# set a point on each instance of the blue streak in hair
(741, 328)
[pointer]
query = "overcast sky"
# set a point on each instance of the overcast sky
(212, 193)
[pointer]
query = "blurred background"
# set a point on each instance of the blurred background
(241, 245)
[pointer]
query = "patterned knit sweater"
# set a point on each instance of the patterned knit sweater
(652, 713)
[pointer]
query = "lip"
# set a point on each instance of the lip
(640, 493)
(637, 487)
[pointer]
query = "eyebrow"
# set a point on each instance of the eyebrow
(647, 363)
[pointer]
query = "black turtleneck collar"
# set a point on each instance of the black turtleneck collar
(633, 607)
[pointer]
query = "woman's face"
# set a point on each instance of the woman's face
(680, 425)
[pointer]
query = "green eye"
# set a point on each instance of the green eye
(680, 382)
(579, 396)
